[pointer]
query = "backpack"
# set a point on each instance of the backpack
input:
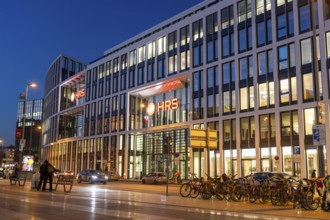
(50, 169)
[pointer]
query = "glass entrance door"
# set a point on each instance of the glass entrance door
(248, 167)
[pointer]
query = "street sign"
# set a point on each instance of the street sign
(318, 135)
(296, 150)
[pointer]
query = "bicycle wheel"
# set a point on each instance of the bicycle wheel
(195, 191)
(253, 195)
(218, 193)
(303, 202)
(274, 197)
(312, 203)
(236, 195)
(284, 198)
(185, 190)
(226, 193)
(207, 191)
(263, 195)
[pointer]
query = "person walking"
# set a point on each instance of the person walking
(42, 172)
(313, 174)
(50, 169)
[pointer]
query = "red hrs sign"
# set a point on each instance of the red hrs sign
(172, 104)
(77, 95)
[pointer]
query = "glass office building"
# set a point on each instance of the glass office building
(257, 71)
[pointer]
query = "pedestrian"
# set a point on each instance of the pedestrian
(50, 169)
(313, 174)
(14, 174)
(42, 172)
(177, 176)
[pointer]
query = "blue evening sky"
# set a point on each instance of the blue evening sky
(34, 32)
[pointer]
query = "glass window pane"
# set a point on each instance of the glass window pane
(243, 100)
(263, 95)
(294, 89)
(284, 90)
(308, 88)
(304, 18)
(309, 115)
(283, 57)
(262, 68)
(243, 68)
(306, 51)
(261, 33)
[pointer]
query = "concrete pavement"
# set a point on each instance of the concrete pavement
(140, 196)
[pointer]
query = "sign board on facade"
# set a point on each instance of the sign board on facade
(321, 112)
(77, 95)
(319, 135)
(200, 138)
(296, 150)
(212, 139)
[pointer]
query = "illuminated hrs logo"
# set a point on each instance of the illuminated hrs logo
(172, 104)
(77, 95)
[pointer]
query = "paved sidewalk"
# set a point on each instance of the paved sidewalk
(242, 209)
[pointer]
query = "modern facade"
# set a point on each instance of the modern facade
(244, 68)
(32, 127)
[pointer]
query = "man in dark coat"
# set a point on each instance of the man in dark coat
(50, 169)
(42, 171)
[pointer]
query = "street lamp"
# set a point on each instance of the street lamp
(25, 97)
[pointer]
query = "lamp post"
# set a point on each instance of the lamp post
(25, 97)
(40, 143)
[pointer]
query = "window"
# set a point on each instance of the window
(212, 37)
(304, 18)
(308, 86)
(198, 101)
(265, 62)
(286, 57)
(184, 48)
(306, 51)
(267, 130)
(140, 79)
(247, 98)
(244, 10)
(244, 32)
(288, 90)
(247, 132)
(266, 95)
(246, 67)
(151, 53)
(151, 50)
(262, 6)
(285, 25)
(161, 49)
(229, 134)
(264, 32)
(212, 92)
(197, 43)
(289, 128)
(172, 52)
(227, 20)
(310, 120)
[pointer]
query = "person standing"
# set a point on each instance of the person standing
(50, 169)
(313, 174)
(42, 172)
